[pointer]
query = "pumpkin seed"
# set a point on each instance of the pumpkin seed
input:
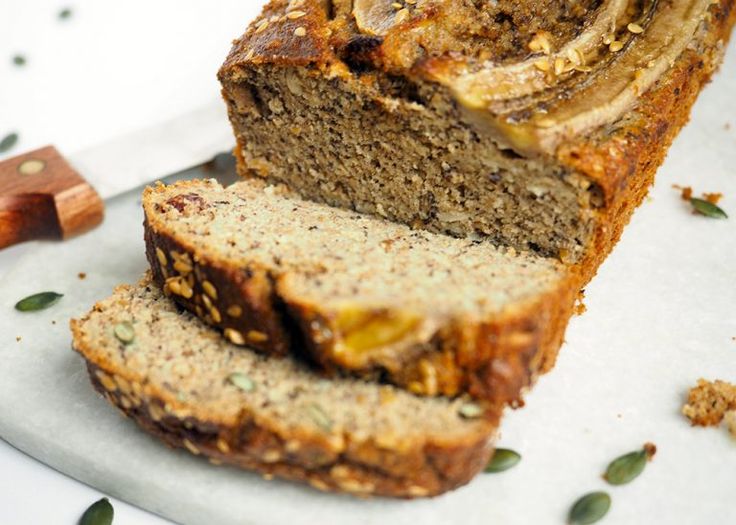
(8, 142)
(589, 509)
(320, 418)
(242, 381)
(626, 468)
(470, 410)
(503, 459)
(19, 60)
(99, 513)
(39, 301)
(708, 209)
(124, 332)
(65, 13)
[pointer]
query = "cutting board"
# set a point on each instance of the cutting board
(660, 314)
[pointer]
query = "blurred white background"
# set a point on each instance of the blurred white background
(110, 67)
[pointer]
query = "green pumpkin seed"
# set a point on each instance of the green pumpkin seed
(626, 468)
(503, 459)
(242, 381)
(708, 209)
(589, 509)
(320, 418)
(99, 513)
(39, 301)
(65, 13)
(125, 332)
(8, 142)
(19, 60)
(470, 410)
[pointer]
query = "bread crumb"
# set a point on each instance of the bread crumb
(710, 402)
(686, 192)
(580, 308)
(727, 126)
(18, 338)
(713, 198)
(82, 276)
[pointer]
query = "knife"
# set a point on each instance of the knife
(46, 195)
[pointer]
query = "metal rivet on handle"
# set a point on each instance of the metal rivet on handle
(31, 167)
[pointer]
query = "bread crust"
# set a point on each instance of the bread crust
(417, 468)
(620, 158)
(494, 359)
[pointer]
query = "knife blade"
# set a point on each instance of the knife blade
(44, 195)
(137, 158)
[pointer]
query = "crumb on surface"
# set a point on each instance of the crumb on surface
(727, 126)
(650, 449)
(713, 198)
(82, 275)
(18, 338)
(710, 402)
(53, 321)
(686, 192)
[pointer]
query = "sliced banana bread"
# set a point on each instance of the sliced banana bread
(536, 124)
(432, 313)
(182, 382)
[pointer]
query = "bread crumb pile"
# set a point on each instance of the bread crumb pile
(710, 402)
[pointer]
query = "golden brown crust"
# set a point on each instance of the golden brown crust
(495, 359)
(407, 470)
(240, 301)
(623, 161)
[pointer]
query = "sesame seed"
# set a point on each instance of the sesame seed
(209, 289)
(234, 336)
(635, 28)
(293, 15)
(161, 256)
(300, 31)
(257, 337)
(262, 26)
(616, 45)
(235, 311)
(215, 313)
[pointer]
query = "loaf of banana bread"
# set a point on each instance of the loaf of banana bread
(538, 125)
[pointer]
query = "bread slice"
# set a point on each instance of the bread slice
(182, 382)
(536, 124)
(432, 313)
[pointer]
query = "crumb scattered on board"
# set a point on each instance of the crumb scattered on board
(82, 276)
(18, 338)
(710, 402)
(686, 192)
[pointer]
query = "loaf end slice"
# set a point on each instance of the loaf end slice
(429, 312)
(181, 382)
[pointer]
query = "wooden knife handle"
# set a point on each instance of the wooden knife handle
(43, 197)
